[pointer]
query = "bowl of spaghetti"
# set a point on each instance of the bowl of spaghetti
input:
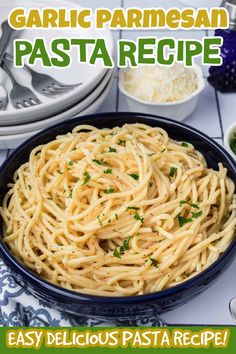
(118, 214)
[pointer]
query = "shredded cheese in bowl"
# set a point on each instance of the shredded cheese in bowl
(160, 84)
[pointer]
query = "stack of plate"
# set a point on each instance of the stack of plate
(16, 125)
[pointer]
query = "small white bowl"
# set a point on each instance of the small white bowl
(229, 134)
(178, 110)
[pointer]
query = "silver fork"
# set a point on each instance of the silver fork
(44, 84)
(20, 96)
(7, 32)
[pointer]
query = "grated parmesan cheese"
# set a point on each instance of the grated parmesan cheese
(160, 84)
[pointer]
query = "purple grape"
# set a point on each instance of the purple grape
(223, 77)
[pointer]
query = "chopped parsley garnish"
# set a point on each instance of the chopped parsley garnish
(134, 176)
(152, 154)
(99, 220)
(173, 171)
(113, 133)
(116, 217)
(163, 150)
(59, 172)
(87, 178)
(109, 191)
(71, 163)
(154, 262)
(121, 250)
(132, 208)
(122, 142)
(184, 144)
(138, 217)
(125, 245)
(49, 199)
(70, 195)
(112, 149)
(116, 253)
(99, 162)
(30, 188)
(182, 220)
(233, 144)
(182, 202)
(194, 206)
(197, 214)
(109, 170)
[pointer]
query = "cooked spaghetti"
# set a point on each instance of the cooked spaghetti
(119, 212)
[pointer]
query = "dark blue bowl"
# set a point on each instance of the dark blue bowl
(125, 307)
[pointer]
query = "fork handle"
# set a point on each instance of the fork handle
(7, 70)
(4, 41)
(8, 57)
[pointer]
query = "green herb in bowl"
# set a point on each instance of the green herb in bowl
(232, 143)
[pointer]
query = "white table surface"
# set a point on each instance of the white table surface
(213, 115)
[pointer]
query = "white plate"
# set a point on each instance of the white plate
(76, 73)
(12, 141)
(69, 113)
(201, 3)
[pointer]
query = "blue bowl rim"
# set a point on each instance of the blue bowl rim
(31, 277)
